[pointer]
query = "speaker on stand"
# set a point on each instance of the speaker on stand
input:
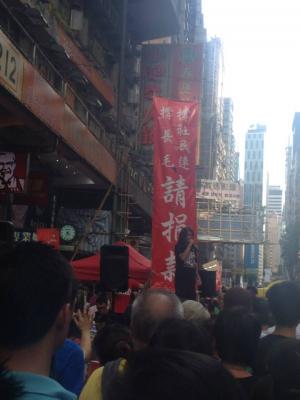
(114, 268)
(208, 278)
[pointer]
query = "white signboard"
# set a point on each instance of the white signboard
(11, 66)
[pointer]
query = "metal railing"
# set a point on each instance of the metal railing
(32, 51)
(217, 223)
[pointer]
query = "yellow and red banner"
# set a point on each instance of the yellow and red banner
(174, 179)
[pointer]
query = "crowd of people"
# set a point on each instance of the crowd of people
(162, 347)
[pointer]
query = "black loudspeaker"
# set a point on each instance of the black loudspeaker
(114, 268)
(208, 288)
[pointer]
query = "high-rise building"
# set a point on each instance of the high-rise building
(293, 175)
(212, 106)
(192, 29)
(274, 200)
(236, 168)
(288, 214)
(272, 242)
(229, 140)
(273, 228)
(291, 214)
(253, 196)
(254, 166)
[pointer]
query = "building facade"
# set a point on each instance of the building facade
(272, 242)
(231, 158)
(253, 197)
(69, 106)
(291, 215)
(211, 145)
(274, 200)
(254, 166)
(273, 229)
(292, 201)
(236, 166)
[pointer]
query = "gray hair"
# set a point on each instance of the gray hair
(150, 308)
(195, 311)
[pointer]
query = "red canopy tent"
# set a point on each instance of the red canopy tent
(88, 269)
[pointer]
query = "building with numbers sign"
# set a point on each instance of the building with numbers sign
(69, 102)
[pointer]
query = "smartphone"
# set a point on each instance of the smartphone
(80, 301)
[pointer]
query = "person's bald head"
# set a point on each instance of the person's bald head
(150, 308)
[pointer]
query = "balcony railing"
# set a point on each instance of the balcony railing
(31, 51)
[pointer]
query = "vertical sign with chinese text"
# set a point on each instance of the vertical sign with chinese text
(169, 70)
(174, 198)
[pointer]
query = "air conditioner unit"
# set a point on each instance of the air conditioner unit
(137, 66)
(76, 19)
(134, 95)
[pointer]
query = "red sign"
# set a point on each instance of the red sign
(174, 179)
(37, 190)
(168, 70)
(49, 236)
(187, 72)
(13, 172)
(219, 277)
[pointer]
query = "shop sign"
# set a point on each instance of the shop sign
(49, 236)
(13, 172)
(11, 66)
(25, 236)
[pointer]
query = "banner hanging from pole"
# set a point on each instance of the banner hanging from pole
(174, 179)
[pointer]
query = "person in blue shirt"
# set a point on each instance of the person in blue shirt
(37, 292)
(68, 366)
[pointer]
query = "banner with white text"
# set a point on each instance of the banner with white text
(174, 180)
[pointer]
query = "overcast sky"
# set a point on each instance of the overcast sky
(261, 41)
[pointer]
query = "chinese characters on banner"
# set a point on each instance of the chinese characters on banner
(174, 198)
(169, 71)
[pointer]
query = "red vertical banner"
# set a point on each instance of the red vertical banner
(168, 70)
(174, 179)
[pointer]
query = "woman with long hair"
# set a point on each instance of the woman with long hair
(187, 262)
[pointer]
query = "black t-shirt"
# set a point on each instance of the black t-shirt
(265, 348)
(185, 274)
(247, 385)
(262, 389)
(110, 318)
